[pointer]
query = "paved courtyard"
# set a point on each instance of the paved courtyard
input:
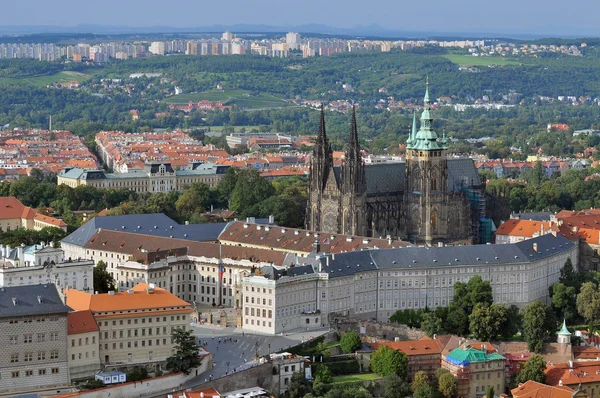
(240, 352)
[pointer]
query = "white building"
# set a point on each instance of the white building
(292, 40)
(373, 284)
(157, 48)
(37, 264)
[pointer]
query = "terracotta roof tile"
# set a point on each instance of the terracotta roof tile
(81, 322)
(533, 389)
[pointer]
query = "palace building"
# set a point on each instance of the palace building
(430, 198)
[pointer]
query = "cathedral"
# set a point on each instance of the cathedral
(431, 198)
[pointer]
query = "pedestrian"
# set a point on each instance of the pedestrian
(217, 348)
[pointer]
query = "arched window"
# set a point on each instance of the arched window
(434, 220)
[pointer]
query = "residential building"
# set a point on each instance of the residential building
(285, 365)
(514, 230)
(533, 389)
(83, 347)
(33, 326)
(477, 367)
(155, 177)
(135, 325)
(580, 376)
(14, 215)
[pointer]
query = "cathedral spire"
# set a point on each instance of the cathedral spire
(352, 168)
(412, 136)
(426, 138)
(426, 99)
(353, 150)
(322, 157)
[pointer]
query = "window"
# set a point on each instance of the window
(14, 358)
(55, 371)
(27, 338)
(54, 354)
(41, 337)
(53, 336)
(15, 374)
(14, 339)
(27, 357)
(41, 372)
(41, 355)
(29, 373)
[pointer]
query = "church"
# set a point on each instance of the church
(431, 198)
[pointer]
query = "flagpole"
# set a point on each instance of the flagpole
(220, 284)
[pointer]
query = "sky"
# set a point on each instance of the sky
(501, 16)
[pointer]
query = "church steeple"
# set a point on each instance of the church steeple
(322, 157)
(413, 133)
(426, 138)
(353, 169)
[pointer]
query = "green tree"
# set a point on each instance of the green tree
(250, 190)
(421, 379)
(431, 323)
(395, 387)
(564, 300)
(588, 302)
(447, 385)
(350, 342)
(512, 323)
(568, 276)
(385, 361)
(299, 386)
(323, 375)
(486, 321)
(539, 323)
(103, 280)
(424, 392)
(193, 199)
(457, 319)
(533, 370)
(187, 351)
(489, 392)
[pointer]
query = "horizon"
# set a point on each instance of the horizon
(545, 19)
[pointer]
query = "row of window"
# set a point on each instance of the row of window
(87, 339)
(135, 344)
(30, 320)
(16, 373)
(29, 356)
(28, 338)
(251, 312)
(143, 320)
(264, 301)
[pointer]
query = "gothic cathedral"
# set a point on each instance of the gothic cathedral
(431, 198)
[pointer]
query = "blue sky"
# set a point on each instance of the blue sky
(525, 16)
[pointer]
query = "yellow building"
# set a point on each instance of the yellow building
(83, 345)
(156, 177)
(14, 214)
(135, 326)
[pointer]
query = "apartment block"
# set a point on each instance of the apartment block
(33, 329)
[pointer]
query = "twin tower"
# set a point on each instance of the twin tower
(426, 199)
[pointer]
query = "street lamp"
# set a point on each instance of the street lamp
(269, 349)
(283, 326)
(227, 366)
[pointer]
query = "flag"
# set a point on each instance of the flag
(221, 271)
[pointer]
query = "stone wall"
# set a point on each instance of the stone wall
(385, 331)
(261, 376)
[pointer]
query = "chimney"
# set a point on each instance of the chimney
(271, 219)
(570, 364)
(111, 292)
(130, 291)
(14, 300)
(39, 299)
(535, 247)
(317, 246)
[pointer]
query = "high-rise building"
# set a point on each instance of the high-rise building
(293, 40)
(157, 48)
(227, 36)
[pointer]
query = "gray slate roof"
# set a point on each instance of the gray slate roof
(426, 257)
(157, 224)
(26, 298)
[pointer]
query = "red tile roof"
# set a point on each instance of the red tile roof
(412, 347)
(81, 322)
(525, 228)
(533, 389)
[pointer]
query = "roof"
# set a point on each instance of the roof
(206, 393)
(50, 220)
(31, 300)
(81, 322)
(525, 228)
(156, 224)
(299, 240)
(346, 264)
(533, 389)
(139, 299)
(138, 244)
(468, 354)
(564, 331)
(582, 353)
(412, 347)
(573, 373)
(11, 207)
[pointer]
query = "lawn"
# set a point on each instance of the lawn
(43, 81)
(356, 377)
(478, 61)
(241, 98)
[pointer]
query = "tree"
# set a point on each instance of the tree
(298, 386)
(533, 370)
(564, 300)
(395, 387)
(350, 342)
(486, 321)
(424, 392)
(103, 280)
(489, 392)
(539, 322)
(512, 323)
(323, 375)
(457, 320)
(250, 190)
(193, 199)
(385, 361)
(421, 379)
(568, 276)
(447, 385)
(588, 302)
(431, 323)
(187, 351)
